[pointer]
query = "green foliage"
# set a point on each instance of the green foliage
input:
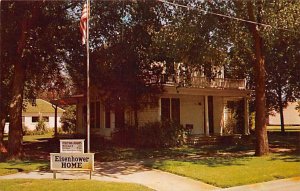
(235, 122)
(44, 43)
(25, 129)
(161, 134)
(40, 129)
(68, 119)
(70, 185)
(229, 126)
(121, 58)
(41, 125)
(152, 135)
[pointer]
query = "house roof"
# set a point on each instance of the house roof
(41, 106)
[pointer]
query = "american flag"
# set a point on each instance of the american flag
(83, 23)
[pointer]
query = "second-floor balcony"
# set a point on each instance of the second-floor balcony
(204, 82)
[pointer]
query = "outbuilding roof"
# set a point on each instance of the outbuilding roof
(41, 106)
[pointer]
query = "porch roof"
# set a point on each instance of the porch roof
(72, 100)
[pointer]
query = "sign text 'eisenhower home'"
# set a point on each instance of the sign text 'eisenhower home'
(71, 162)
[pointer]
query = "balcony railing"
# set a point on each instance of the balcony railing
(203, 82)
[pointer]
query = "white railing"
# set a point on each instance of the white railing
(203, 82)
(222, 83)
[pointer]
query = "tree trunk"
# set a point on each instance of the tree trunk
(15, 136)
(281, 112)
(2, 125)
(3, 112)
(262, 146)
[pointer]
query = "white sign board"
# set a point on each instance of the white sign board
(72, 146)
(72, 161)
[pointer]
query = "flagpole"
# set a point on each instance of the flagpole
(88, 75)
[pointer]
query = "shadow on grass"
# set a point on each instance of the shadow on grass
(24, 166)
(209, 162)
(285, 145)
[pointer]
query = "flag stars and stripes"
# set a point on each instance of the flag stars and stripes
(83, 23)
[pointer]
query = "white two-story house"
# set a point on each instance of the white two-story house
(205, 106)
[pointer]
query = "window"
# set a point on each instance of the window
(45, 118)
(107, 117)
(35, 119)
(175, 109)
(23, 119)
(165, 109)
(94, 115)
(170, 109)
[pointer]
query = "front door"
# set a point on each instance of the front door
(120, 118)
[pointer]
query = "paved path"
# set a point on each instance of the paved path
(121, 171)
(136, 172)
(290, 184)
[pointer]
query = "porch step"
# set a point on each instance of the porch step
(212, 139)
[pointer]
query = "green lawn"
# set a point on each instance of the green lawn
(286, 128)
(69, 185)
(33, 138)
(21, 166)
(229, 171)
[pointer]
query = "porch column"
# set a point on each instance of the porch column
(246, 116)
(55, 121)
(206, 119)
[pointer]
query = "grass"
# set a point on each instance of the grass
(228, 171)
(70, 185)
(32, 138)
(119, 153)
(12, 167)
(35, 138)
(276, 128)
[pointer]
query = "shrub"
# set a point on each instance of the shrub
(40, 129)
(25, 129)
(151, 135)
(41, 126)
(68, 119)
(125, 136)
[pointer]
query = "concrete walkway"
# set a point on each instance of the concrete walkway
(136, 172)
(131, 172)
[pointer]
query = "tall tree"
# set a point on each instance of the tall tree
(262, 146)
(31, 16)
(282, 55)
(35, 52)
(121, 35)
